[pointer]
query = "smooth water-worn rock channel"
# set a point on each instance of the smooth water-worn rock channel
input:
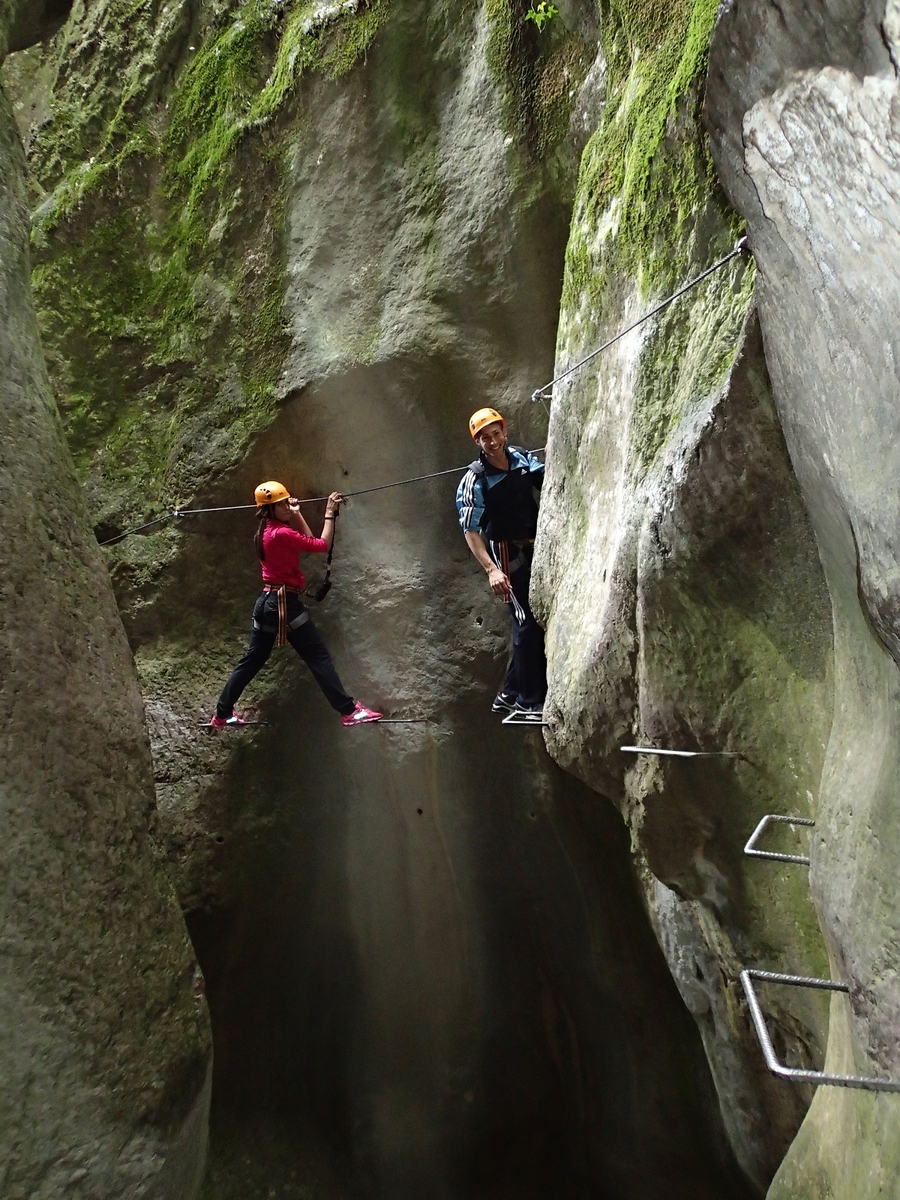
(248, 239)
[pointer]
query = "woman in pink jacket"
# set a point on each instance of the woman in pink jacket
(279, 613)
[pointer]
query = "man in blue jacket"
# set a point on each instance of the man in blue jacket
(498, 510)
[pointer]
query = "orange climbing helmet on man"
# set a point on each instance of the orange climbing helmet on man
(271, 493)
(484, 416)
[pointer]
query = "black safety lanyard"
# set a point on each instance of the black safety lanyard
(325, 587)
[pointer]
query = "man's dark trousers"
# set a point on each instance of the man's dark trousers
(527, 675)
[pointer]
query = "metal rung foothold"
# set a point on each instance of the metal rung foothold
(515, 718)
(243, 725)
(750, 848)
(682, 753)
(795, 1074)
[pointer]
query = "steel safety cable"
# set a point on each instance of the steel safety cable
(192, 512)
(137, 529)
(742, 247)
(381, 487)
(542, 393)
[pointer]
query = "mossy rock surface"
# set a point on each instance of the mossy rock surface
(330, 245)
(672, 535)
(104, 1032)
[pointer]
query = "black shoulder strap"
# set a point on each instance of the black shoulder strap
(478, 468)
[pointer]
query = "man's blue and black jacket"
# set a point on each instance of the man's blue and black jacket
(501, 504)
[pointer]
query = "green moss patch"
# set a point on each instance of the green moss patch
(159, 264)
(649, 215)
(246, 72)
(537, 72)
(649, 153)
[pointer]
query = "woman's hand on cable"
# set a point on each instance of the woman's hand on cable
(335, 500)
(499, 583)
(297, 519)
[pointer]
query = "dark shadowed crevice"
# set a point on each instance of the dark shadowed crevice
(38, 20)
(438, 979)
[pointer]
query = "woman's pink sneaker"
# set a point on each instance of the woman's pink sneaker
(226, 722)
(361, 715)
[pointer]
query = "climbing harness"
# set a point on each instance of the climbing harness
(499, 552)
(282, 591)
(742, 247)
(282, 615)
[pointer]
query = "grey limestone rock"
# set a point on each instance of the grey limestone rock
(25, 22)
(685, 604)
(104, 1043)
(807, 143)
(693, 616)
(428, 965)
(389, 923)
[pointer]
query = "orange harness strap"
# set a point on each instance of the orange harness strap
(282, 594)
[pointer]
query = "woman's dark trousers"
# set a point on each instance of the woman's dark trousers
(305, 639)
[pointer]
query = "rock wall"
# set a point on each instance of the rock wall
(717, 563)
(104, 1043)
(678, 573)
(806, 140)
(305, 241)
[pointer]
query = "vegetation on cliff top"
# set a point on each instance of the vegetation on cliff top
(538, 74)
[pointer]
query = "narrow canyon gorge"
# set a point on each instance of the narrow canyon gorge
(444, 958)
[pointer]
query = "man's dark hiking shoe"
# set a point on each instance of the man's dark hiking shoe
(504, 702)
